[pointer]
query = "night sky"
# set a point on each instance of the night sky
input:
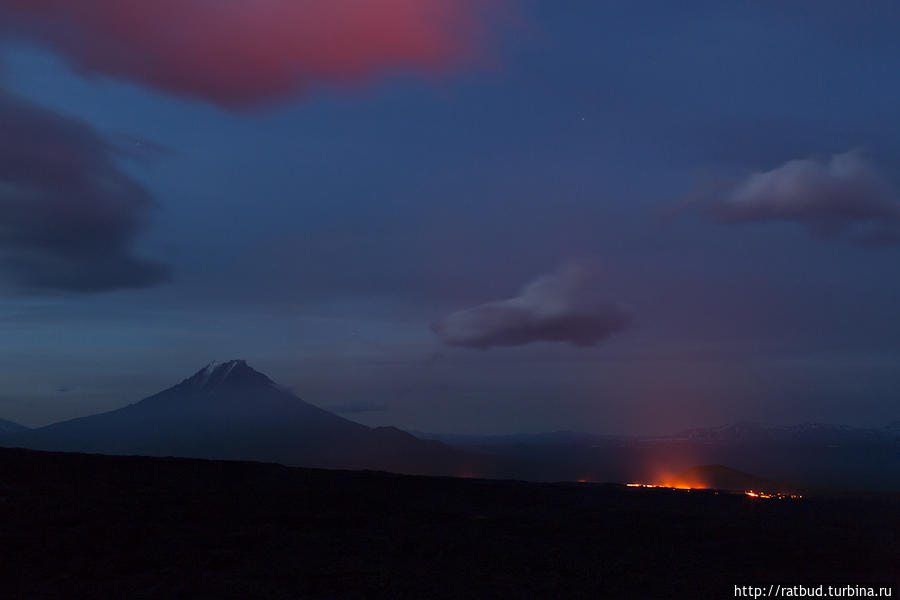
(455, 215)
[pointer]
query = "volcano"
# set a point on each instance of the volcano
(231, 411)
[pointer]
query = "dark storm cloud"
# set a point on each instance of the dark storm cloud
(563, 307)
(243, 52)
(69, 213)
(830, 197)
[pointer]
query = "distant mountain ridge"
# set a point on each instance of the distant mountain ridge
(10, 427)
(536, 439)
(740, 432)
(750, 432)
(893, 428)
(231, 411)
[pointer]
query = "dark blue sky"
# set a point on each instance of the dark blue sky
(368, 239)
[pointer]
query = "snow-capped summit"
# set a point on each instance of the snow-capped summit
(233, 374)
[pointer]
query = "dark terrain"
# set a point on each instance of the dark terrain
(92, 526)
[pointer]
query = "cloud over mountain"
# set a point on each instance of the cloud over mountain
(243, 52)
(566, 306)
(829, 197)
(69, 213)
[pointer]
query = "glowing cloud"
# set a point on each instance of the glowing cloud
(239, 53)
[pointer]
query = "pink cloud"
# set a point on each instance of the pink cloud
(239, 53)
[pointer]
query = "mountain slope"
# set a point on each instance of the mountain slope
(231, 411)
(7, 427)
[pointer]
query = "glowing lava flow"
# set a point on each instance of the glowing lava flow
(775, 495)
(750, 493)
(663, 486)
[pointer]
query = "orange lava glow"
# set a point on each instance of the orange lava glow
(685, 487)
(772, 495)
(666, 486)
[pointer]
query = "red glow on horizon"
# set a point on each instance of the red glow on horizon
(668, 486)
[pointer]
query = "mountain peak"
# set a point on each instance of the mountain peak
(232, 374)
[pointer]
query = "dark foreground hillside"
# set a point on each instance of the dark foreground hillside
(88, 526)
